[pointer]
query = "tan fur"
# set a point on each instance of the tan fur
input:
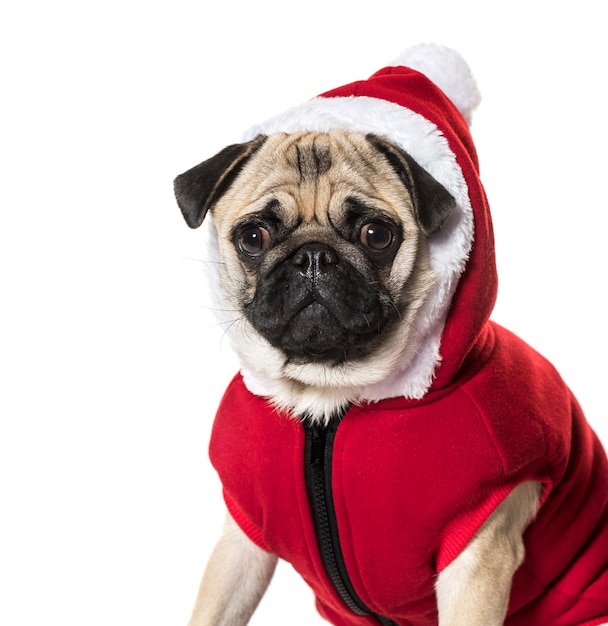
(356, 170)
(474, 589)
(234, 581)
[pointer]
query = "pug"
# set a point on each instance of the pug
(336, 261)
(327, 229)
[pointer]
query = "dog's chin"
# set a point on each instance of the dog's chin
(320, 385)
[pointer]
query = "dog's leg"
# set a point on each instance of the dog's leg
(236, 577)
(474, 589)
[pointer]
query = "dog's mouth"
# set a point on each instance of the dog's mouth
(329, 316)
(316, 334)
(312, 334)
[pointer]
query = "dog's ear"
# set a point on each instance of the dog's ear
(200, 187)
(433, 203)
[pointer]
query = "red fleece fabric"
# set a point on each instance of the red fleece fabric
(414, 480)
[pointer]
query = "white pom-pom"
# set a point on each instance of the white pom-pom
(448, 70)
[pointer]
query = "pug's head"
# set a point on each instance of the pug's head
(323, 257)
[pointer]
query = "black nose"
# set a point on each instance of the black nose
(315, 258)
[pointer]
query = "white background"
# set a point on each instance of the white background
(111, 365)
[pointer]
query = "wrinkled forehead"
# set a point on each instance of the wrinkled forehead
(309, 177)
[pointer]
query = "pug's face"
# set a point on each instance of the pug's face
(322, 240)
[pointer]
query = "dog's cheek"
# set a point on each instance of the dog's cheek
(237, 284)
(401, 271)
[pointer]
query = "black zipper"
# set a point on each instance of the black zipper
(318, 470)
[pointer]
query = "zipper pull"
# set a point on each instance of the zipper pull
(317, 445)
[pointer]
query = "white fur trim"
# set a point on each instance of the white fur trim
(449, 249)
(448, 70)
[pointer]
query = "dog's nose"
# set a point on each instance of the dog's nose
(315, 258)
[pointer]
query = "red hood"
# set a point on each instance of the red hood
(473, 301)
(410, 108)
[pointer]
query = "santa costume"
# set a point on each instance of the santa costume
(413, 469)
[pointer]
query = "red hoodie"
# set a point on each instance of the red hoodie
(416, 468)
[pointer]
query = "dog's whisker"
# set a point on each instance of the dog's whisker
(231, 324)
(214, 262)
(393, 304)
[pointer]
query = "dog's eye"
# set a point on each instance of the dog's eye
(376, 236)
(254, 240)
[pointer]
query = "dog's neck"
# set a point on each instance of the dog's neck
(319, 403)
